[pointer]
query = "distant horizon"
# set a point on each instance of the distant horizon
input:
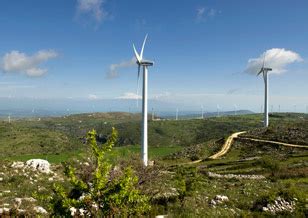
(73, 106)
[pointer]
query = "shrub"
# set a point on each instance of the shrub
(108, 191)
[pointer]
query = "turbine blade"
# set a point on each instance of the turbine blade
(144, 41)
(136, 54)
(260, 71)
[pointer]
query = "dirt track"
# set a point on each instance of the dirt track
(227, 145)
(277, 143)
(225, 148)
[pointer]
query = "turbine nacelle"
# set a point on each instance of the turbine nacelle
(140, 61)
(264, 70)
(145, 63)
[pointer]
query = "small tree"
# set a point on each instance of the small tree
(108, 191)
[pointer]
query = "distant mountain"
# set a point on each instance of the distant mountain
(197, 114)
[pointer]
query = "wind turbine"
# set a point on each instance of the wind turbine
(153, 115)
(235, 109)
(177, 114)
(264, 71)
(202, 111)
(144, 64)
(218, 108)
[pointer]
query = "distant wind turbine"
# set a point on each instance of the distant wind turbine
(202, 111)
(177, 114)
(264, 71)
(218, 108)
(153, 114)
(235, 109)
(272, 108)
(144, 64)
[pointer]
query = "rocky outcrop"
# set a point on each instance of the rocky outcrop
(219, 199)
(279, 205)
(234, 176)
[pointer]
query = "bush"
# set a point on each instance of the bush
(108, 191)
(271, 165)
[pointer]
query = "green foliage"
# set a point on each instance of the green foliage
(186, 181)
(271, 165)
(109, 191)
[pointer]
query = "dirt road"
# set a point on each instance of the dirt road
(225, 148)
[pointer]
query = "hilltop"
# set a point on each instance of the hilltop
(252, 178)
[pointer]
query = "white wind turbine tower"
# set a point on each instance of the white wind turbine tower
(264, 71)
(218, 108)
(202, 111)
(235, 109)
(177, 114)
(144, 135)
(153, 115)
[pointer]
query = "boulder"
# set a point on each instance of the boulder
(40, 165)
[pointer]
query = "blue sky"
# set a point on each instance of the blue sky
(200, 48)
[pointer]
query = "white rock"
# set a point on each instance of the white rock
(73, 211)
(82, 212)
(213, 202)
(39, 209)
(1, 179)
(17, 202)
(221, 198)
(40, 165)
(29, 199)
(4, 210)
(18, 164)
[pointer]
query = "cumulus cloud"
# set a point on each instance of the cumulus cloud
(93, 8)
(114, 68)
(276, 58)
(92, 97)
(129, 96)
(18, 62)
(203, 13)
(160, 96)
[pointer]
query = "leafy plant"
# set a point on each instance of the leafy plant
(108, 191)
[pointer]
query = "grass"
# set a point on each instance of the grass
(173, 143)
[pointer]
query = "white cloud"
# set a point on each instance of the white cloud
(92, 97)
(203, 13)
(114, 68)
(16, 61)
(129, 96)
(161, 96)
(93, 8)
(275, 58)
